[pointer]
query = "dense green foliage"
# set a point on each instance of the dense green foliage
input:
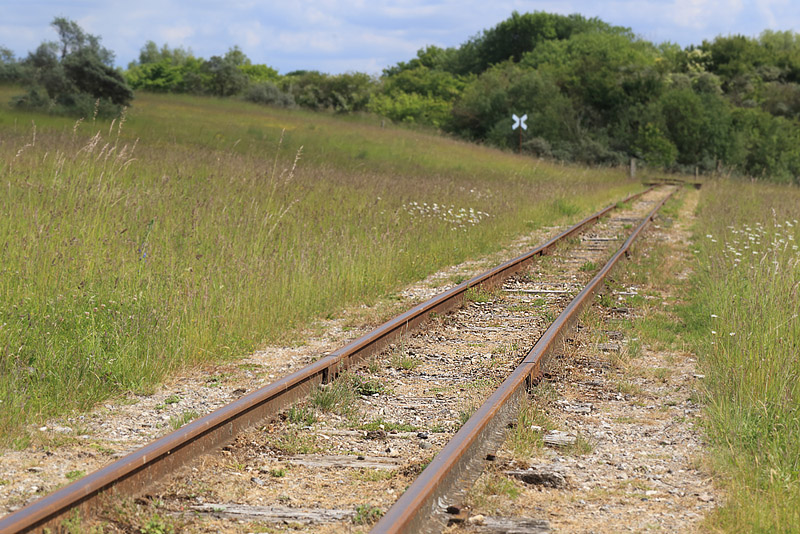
(73, 75)
(593, 92)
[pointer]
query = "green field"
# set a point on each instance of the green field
(189, 232)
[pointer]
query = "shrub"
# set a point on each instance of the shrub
(269, 94)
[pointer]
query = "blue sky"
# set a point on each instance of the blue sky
(338, 36)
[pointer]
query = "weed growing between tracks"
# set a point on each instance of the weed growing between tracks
(128, 251)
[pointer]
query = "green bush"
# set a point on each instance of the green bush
(268, 93)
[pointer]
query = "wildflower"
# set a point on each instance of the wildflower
(714, 315)
(732, 334)
(714, 332)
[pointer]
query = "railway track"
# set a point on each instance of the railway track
(348, 451)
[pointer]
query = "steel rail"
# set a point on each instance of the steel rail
(421, 508)
(134, 473)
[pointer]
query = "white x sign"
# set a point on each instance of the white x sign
(519, 121)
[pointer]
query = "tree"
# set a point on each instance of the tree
(418, 94)
(224, 76)
(10, 68)
(96, 78)
(74, 73)
(484, 111)
(523, 33)
(606, 72)
(73, 39)
(700, 126)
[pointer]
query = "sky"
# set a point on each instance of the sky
(337, 36)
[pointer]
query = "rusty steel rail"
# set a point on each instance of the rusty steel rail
(134, 473)
(422, 507)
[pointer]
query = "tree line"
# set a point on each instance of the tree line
(594, 93)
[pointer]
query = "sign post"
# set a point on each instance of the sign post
(519, 122)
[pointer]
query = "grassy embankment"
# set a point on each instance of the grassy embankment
(746, 301)
(186, 234)
(738, 312)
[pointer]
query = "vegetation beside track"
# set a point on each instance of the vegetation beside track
(745, 302)
(738, 313)
(188, 233)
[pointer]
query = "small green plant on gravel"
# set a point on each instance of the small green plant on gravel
(605, 300)
(465, 413)
(75, 525)
(301, 415)
(491, 491)
(580, 447)
(213, 381)
(157, 524)
(277, 472)
(406, 363)
(662, 374)
(388, 426)
(544, 393)
(374, 366)
(337, 397)
(402, 361)
(374, 475)
(588, 267)
(178, 421)
(626, 387)
(477, 294)
(525, 439)
(366, 514)
(172, 399)
(295, 442)
(72, 476)
(458, 279)
(367, 385)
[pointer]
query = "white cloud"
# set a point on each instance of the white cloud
(253, 34)
(767, 10)
(700, 14)
(175, 34)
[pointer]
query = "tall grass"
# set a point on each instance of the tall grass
(189, 232)
(746, 301)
